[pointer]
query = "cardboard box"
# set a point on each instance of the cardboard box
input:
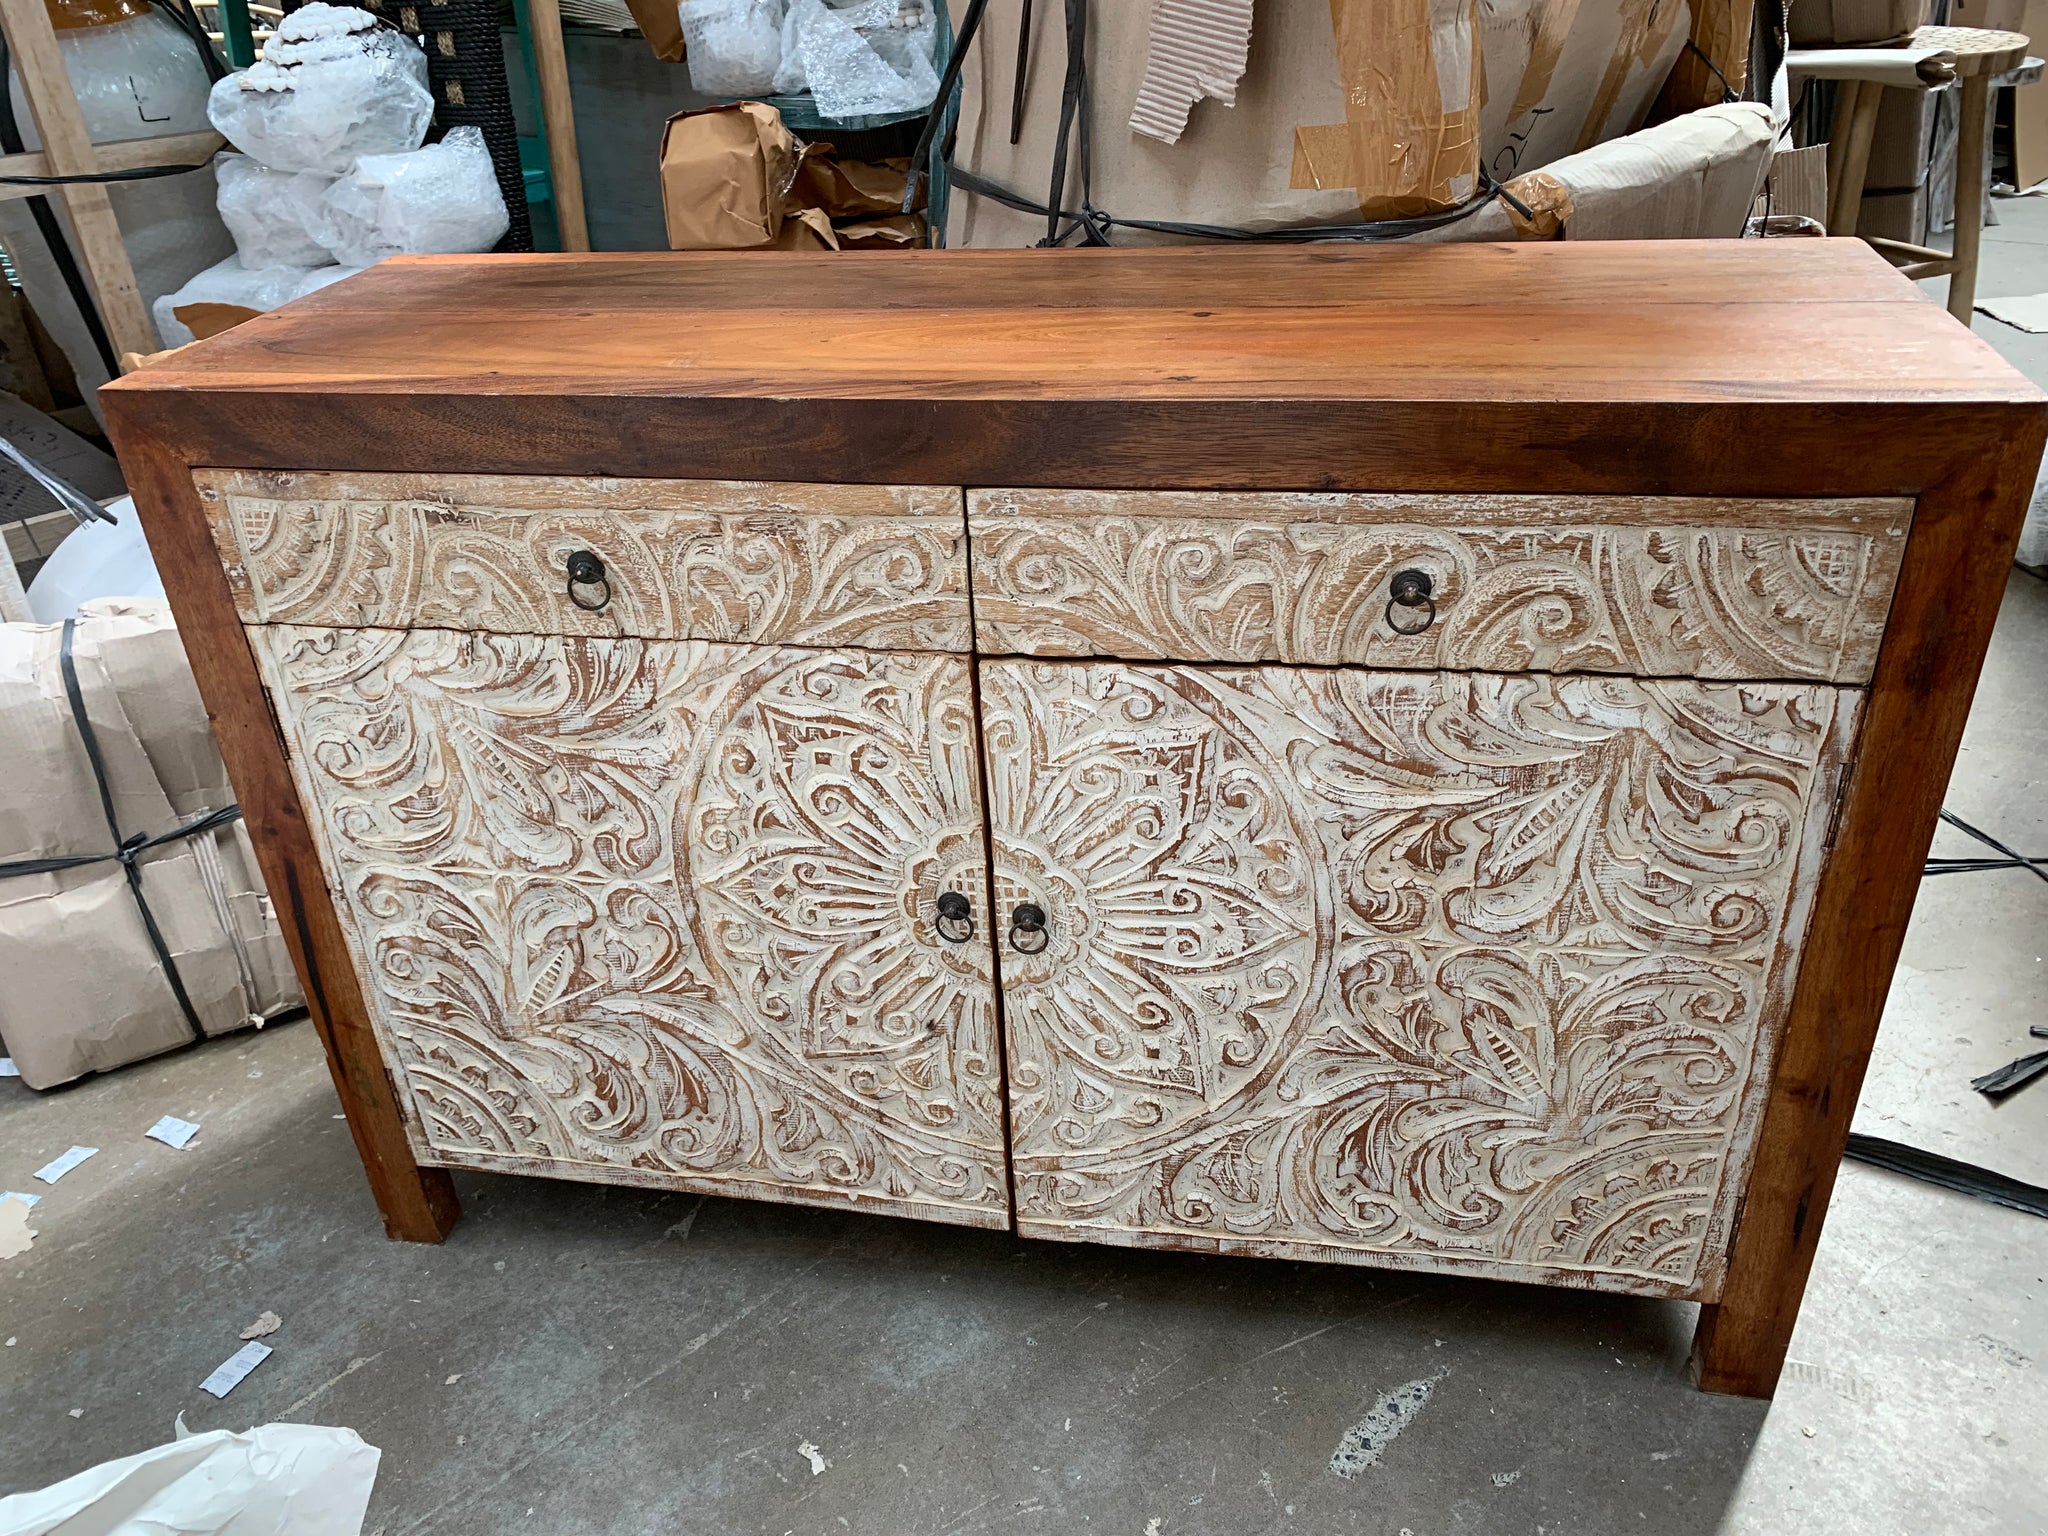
(1895, 183)
(1894, 216)
(81, 987)
(2030, 108)
(1992, 16)
(1565, 75)
(1797, 186)
(1816, 23)
(1286, 153)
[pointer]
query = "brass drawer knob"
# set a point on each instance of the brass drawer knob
(1410, 591)
(1027, 928)
(585, 571)
(955, 922)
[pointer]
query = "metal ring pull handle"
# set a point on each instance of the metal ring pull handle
(1410, 590)
(586, 570)
(1027, 928)
(955, 922)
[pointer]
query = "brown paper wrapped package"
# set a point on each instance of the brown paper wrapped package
(849, 189)
(735, 178)
(725, 172)
(661, 25)
(81, 990)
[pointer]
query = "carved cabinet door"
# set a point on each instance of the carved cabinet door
(664, 912)
(1450, 970)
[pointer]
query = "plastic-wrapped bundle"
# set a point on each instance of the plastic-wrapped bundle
(431, 201)
(270, 212)
(860, 60)
(331, 86)
(732, 46)
(229, 282)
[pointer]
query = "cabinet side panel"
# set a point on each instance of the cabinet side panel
(663, 913)
(1439, 970)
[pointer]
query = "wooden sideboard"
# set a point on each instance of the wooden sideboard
(1416, 757)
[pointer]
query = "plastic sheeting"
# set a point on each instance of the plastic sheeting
(279, 1480)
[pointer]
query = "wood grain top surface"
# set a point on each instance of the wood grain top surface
(1738, 322)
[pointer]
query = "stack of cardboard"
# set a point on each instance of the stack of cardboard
(82, 987)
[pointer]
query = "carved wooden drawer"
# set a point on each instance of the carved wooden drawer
(882, 566)
(1660, 586)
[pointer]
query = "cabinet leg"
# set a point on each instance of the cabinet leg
(1737, 1355)
(1964, 529)
(419, 1205)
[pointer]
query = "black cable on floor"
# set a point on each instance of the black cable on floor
(2011, 860)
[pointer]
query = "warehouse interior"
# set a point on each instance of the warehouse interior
(1534, 475)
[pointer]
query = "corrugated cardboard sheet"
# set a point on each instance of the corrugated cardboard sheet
(1329, 86)
(81, 990)
(1196, 51)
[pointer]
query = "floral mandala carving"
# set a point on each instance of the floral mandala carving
(662, 912)
(1470, 970)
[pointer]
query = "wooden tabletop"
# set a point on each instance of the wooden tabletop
(1693, 321)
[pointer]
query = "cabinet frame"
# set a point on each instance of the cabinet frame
(1695, 369)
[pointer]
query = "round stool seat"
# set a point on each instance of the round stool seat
(1977, 50)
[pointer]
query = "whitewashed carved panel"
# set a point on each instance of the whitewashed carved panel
(1448, 970)
(878, 566)
(654, 912)
(1650, 586)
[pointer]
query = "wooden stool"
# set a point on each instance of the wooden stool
(1979, 55)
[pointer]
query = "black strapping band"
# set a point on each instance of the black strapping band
(127, 851)
(1946, 1172)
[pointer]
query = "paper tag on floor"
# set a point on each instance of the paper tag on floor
(229, 1374)
(2027, 313)
(172, 1131)
(8, 1068)
(57, 1167)
(31, 1201)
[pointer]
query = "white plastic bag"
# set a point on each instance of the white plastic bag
(269, 212)
(320, 277)
(432, 201)
(331, 85)
(228, 282)
(790, 79)
(277, 1480)
(95, 560)
(865, 60)
(731, 46)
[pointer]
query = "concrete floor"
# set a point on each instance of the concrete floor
(580, 1360)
